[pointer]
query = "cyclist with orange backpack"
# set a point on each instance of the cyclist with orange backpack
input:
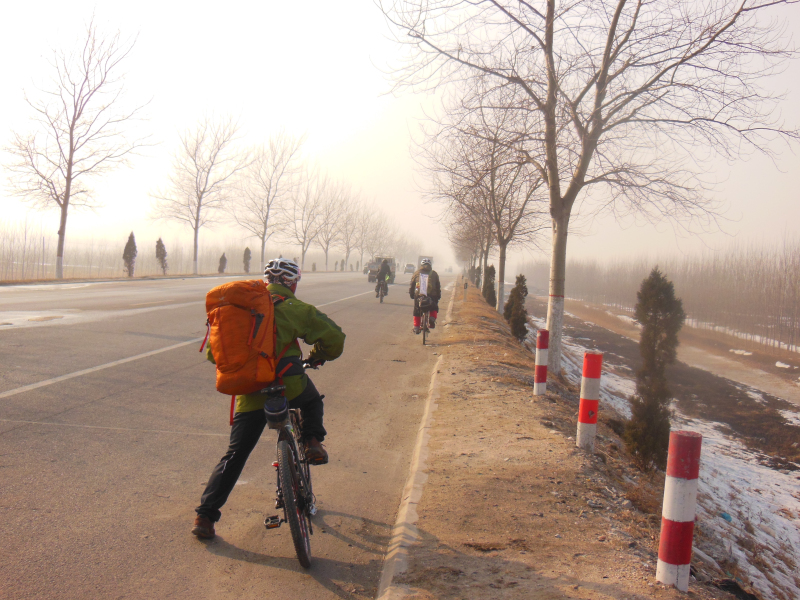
(293, 319)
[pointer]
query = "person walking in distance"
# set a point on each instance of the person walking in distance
(293, 319)
(425, 282)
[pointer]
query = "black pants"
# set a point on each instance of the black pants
(246, 430)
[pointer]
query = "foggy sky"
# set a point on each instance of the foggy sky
(316, 68)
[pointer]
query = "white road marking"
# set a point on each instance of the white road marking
(46, 382)
(71, 316)
(115, 428)
(122, 361)
(343, 299)
(154, 302)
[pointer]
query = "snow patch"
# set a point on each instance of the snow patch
(755, 396)
(733, 480)
(781, 365)
(625, 318)
(791, 416)
(741, 352)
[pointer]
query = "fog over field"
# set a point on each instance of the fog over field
(324, 72)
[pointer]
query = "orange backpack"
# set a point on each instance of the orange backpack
(242, 336)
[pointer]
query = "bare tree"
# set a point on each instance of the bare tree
(302, 214)
(479, 173)
(79, 130)
(625, 92)
(363, 229)
(349, 212)
(379, 234)
(329, 218)
(202, 178)
(268, 181)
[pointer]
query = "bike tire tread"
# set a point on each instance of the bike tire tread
(302, 546)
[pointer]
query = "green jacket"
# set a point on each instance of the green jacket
(295, 319)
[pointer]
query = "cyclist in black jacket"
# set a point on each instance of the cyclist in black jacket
(381, 277)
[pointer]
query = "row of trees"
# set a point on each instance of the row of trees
(268, 191)
(620, 106)
(81, 132)
(749, 290)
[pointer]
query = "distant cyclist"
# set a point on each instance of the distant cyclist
(293, 319)
(384, 272)
(433, 290)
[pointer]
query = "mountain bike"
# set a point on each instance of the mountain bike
(382, 288)
(425, 313)
(294, 492)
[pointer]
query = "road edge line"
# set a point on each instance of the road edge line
(404, 532)
(122, 361)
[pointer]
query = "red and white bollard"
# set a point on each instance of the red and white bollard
(540, 371)
(590, 400)
(677, 516)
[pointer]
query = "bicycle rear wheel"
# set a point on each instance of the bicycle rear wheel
(293, 504)
(424, 327)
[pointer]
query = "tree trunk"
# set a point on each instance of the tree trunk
(555, 305)
(62, 234)
(326, 259)
(196, 238)
(263, 249)
(501, 274)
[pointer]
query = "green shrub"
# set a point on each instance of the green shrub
(661, 316)
(489, 293)
(161, 256)
(246, 259)
(129, 255)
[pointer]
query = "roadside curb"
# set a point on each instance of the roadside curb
(404, 532)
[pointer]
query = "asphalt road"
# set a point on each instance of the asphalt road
(100, 472)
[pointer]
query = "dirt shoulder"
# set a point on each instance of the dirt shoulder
(511, 508)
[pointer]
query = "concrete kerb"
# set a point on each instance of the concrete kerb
(405, 532)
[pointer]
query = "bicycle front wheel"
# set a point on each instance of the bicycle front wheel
(293, 503)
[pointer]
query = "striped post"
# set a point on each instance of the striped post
(540, 371)
(677, 516)
(590, 400)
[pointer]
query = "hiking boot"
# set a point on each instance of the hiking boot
(376, 294)
(431, 323)
(203, 528)
(417, 330)
(315, 452)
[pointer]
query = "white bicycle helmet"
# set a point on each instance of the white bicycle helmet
(282, 270)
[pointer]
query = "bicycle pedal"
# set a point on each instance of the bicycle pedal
(273, 522)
